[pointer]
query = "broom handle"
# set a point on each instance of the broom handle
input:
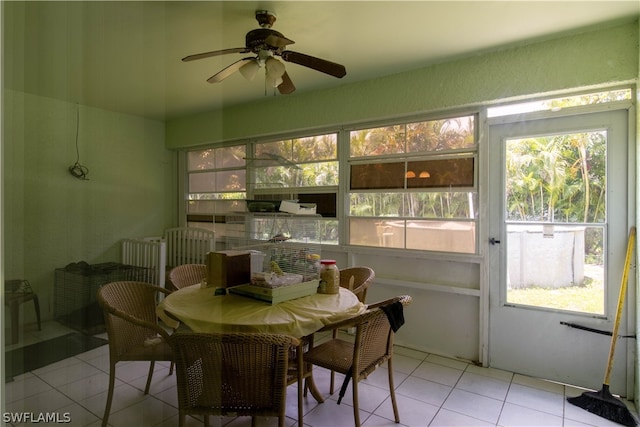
(623, 293)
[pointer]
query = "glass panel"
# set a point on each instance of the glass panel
(329, 231)
(462, 205)
(573, 275)
(374, 232)
(219, 206)
(377, 176)
(322, 147)
(200, 160)
(273, 150)
(377, 141)
(202, 182)
(559, 103)
(442, 236)
(445, 173)
(438, 135)
(303, 175)
(231, 157)
(557, 178)
(376, 204)
(233, 180)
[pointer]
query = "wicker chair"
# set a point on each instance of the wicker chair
(234, 374)
(187, 275)
(357, 280)
(132, 327)
(372, 347)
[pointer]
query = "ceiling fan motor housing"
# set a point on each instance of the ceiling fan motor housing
(256, 40)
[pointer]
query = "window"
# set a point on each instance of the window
(216, 182)
(305, 169)
(413, 186)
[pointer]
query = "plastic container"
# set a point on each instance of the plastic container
(329, 277)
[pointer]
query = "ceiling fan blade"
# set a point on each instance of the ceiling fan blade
(215, 53)
(286, 87)
(318, 64)
(276, 41)
(226, 72)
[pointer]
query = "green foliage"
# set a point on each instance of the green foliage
(559, 178)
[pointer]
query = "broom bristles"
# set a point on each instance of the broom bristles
(605, 405)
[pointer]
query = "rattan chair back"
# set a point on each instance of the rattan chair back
(358, 280)
(132, 328)
(232, 374)
(187, 275)
(372, 346)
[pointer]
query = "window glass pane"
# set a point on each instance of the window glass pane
(573, 274)
(373, 232)
(377, 176)
(218, 206)
(441, 236)
(315, 148)
(199, 160)
(217, 196)
(444, 173)
(460, 205)
(377, 141)
(438, 135)
(202, 182)
(376, 204)
(303, 175)
(329, 231)
(274, 151)
(230, 157)
(557, 178)
(233, 180)
(559, 103)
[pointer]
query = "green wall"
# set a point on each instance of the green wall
(590, 58)
(53, 219)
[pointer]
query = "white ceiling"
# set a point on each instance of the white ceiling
(126, 56)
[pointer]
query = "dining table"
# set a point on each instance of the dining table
(205, 309)
(202, 310)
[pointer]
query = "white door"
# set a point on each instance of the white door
(561, 202)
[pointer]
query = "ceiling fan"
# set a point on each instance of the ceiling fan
(266, 44)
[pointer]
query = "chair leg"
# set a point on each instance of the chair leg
(302, 386)
(392, 391)
(112, 380)
(151, 366)
(36, 305)
(356, 406)
(14, 307)
(333, 374)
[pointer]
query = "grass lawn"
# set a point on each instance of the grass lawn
(587, 299)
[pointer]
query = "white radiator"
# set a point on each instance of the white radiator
(147, 252)
(188, 245)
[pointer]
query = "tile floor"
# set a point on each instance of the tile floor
(431, 391)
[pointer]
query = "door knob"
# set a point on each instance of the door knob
(493, 241)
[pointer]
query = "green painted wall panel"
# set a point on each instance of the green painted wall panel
(590, 58)
(54, 219)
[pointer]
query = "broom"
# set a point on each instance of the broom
(603, 403)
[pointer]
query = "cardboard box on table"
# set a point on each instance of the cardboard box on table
(228, 268)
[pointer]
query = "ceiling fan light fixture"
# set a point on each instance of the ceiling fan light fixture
(273, 81)
(274, 68)
(249, 70)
